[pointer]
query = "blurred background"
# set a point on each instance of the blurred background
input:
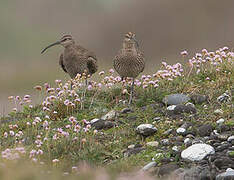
(163, 27)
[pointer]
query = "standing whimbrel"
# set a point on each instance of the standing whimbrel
(75, 59)
(129, 62)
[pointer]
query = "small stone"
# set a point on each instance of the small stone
(229, 169)
(197, 152)
(181, 131)
(187, 141)
(157, 119)
(175, 148)
(205, 130)
(175, 99)
(171, 108)
(167, 169)
(131, 146)
(224, 98)
(198, 99)
(230, 139)
(146, 129)
(157, 156)
(167, 132)
(133, 151)
(190, 104)
(218, 111)
(220, 121)
(109, 116)
(184, 109)
(94, 120)
(165, 142)
(229, 175)
(152, 144)
(149, 166)
(126, 110)
(102, 124)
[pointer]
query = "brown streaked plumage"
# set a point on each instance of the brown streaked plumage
(129, 62)
(75, 59)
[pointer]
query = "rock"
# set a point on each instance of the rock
(149, 166)
(230, 139)
(175, 148)
(167, 132)
(228, 175)
(190, 104)
(198, 98)
(152, 144)
(220, 121)
(205, 130)
(165, 142)
(157, 156)
(175, 99)
(181, 131)
(218, 111)
(136, 149)
(197, 152)
(167, 169)
(102, 124)
(223, 162)
(184, 109)
(146, 129)
(222, 147)
(126, 110)
(110, 115)
(187, 142)
(157, 119)
(225, 97)
(194, 173)
(171, 107)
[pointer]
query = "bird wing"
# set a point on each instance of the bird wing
(92, 64)
(61, 63)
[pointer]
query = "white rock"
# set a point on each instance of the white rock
(220, 121)
(231, 138)
(190, 104)
(181, 130)
(197, 152)
(109, 115)
(131, 146)
(148, 166)
(152, 144)
(186, 140)
(229, 169)
(94, 120)
(175, 148)
(142, 127)
(171, 108)
(218, 111)
(157, 156)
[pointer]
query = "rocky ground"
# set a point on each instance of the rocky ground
(180, 125)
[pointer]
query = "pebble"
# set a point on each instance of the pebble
(110, 115)
(220, 121)
(228, 175)
(218, 111)
(146, 129)
(171, 108)
(152, 143)
(175, 99)
(181, 131)
(230, 139)
(197, 152)
(149, 166)
(224, 98)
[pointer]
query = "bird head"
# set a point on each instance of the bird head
(130, 41)
(65, 41)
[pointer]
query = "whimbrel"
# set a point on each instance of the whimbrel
(129, 62)
(75, 59)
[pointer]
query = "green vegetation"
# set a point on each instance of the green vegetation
(57, 136)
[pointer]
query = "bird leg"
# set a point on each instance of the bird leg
(71, 84)
(132, 88)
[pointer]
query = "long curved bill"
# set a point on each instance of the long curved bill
(56, 43)
(136, 42)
